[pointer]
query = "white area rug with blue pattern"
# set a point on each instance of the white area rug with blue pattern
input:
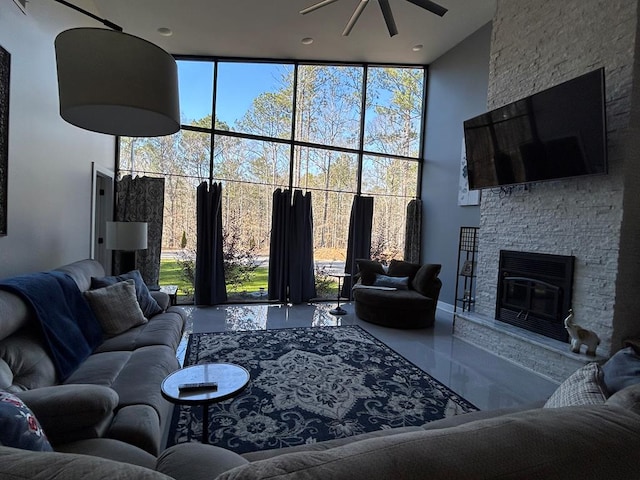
(309, 385)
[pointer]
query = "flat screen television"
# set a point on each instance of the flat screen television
(556, 133)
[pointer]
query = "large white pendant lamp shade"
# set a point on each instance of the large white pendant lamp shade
(115, 83)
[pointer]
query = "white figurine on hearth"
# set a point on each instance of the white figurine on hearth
(581, 336)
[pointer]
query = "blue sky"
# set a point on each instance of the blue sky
(238, 84)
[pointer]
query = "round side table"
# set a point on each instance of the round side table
(340, 276)
(231, 380)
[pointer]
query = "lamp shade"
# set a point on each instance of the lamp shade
(128, 236)
(116, 83)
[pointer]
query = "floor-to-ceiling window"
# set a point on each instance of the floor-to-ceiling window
(333, 130)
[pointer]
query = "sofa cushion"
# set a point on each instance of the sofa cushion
(583, 387)
(148, 305)
(14, 314)
(138, 425)
(162, 329)
(424, 278)
(29, 361)
(19, 427)
(201, 461)
(367, 270)
(136, 376)
(622, 370)
(72, 412)
(399, 268)
(408, 300)
(82, 271)
(116, 307)
(399, 283)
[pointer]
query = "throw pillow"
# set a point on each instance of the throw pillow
(147, 303)
(19, 427)
(424, 278)
(400, 283)
(367, 270)
(583, 387)
(622, 370)
(629, 399)
(399, 268)
(116, 307)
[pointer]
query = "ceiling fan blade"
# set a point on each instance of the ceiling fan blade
(354, 18)
(316, 6)
(388, 17)
(431, 6)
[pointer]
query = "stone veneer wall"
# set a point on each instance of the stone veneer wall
(537, 44)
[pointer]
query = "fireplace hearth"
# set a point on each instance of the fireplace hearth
(534, 291)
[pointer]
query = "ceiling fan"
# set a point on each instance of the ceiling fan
(386, 12)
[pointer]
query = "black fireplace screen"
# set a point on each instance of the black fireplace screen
(531, 296)
(534, 292)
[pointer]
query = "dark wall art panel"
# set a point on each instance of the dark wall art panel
(5, 62)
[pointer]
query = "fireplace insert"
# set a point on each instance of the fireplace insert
(534, 292)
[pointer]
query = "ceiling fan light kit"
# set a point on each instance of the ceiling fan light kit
(386, 12)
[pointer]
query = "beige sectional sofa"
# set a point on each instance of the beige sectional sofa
(114, 393)
(581, 443)
(588, 429)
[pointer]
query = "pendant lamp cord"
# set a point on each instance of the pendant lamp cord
(105, 22)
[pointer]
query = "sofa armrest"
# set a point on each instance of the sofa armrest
(448, 422)
(162, 298)
(22, 464)
(433, 290)
(461, 419)
(72, 412)
(568, 443)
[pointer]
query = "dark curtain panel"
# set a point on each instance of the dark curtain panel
(412, 231)
(141, 199)
(302, 284)
(359, 244)
(210, 288)
(278, 258)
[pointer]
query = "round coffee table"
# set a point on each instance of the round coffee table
(231, 379)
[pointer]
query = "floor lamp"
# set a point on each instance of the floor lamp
(127, 237)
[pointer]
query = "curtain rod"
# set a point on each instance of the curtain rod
(104, 21)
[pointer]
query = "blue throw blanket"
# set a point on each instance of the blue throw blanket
(70, 328)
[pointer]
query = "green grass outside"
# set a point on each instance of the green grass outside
(258, 280)
(171, 274)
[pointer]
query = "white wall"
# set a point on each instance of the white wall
(49, 186)
(457, 91)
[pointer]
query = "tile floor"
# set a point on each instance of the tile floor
(482, 378)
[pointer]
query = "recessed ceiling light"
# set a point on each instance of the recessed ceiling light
(307, 41)
(417, 48)
(165, 31)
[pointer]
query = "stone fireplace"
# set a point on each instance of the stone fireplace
(594, 219)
